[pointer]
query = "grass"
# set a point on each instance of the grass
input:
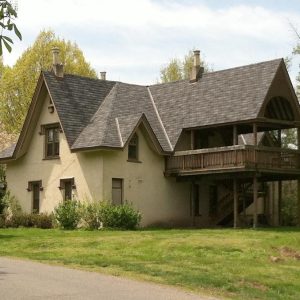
(234, 264)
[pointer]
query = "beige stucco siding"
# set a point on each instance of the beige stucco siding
(86, 168)
(161, 200)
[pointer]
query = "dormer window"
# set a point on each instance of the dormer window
(51, 141)
(133, 148)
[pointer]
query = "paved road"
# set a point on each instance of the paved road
(24, 280)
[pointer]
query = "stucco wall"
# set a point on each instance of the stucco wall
(86, 168)
(161, 200)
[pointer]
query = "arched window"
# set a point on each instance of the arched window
(133, 148)
(279, 108)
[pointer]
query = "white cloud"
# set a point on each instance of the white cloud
(132, 39)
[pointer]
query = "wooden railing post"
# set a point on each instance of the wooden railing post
(298, 181)
(235, 203)
(255, 142)
(255, 204)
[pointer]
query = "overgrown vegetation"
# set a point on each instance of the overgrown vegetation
(11, 215)
(43, 220)
(235, 264)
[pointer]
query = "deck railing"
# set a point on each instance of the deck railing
(240, 156)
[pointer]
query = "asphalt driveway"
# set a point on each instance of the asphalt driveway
(31, 280)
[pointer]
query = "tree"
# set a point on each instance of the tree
(18, 82)
(178, 69)
(8, 13)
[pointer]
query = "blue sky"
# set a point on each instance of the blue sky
(133, 39)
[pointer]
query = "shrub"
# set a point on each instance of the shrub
(91, 215)
(68, 214)
(120, 216)
(2, 221)
(42, 220)
(289, 211)
(96, 215)
(3, 204)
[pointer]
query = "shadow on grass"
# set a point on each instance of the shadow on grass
(7, 236)
(266, 229)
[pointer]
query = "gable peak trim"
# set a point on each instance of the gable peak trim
(119, 132)
(159, 119)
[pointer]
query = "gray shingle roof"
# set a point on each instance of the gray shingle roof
(76, 99)
(128, 103)
(218, 97)
(8, 152)
(88, 108)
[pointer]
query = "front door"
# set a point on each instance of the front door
(36, 197)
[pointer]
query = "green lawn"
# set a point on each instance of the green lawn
(235, 264)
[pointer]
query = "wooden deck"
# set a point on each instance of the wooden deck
(233, 158)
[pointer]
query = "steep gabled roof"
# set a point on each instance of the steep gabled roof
(217, 98)
(76, 99)
(96, 113)
(126, 103)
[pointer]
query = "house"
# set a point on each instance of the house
(199, 152)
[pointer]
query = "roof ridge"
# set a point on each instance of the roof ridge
(79, 76)
(219, 71)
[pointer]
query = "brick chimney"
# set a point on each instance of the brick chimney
(197, 70)
(58, 67)
(103, 75)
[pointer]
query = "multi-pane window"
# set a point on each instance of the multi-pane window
(35, 187)
(133, 148)
(52, 142)
(117, 191)
(67, 185)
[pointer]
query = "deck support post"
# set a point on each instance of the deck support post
(279, 201)
(235, 204)
(255, 204)
(298, 201)
(193, 202)
(298, 181)
(255, 143)
(254, 134)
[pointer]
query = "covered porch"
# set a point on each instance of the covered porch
(221, 153)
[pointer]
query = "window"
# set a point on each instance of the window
(52, 141)
(133, 148)
(35, 187)
(67, 185)
(117, 191)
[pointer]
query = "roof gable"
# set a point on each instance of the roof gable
(217, 98)
(76, 99)
(97, 113)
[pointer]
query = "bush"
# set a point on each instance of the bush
(42, 220)
(2, 221)
(3, 204)
(11, 204)
(68, 214)
(120, 216)
(289, 212)
(101, 214)
(91, 215)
